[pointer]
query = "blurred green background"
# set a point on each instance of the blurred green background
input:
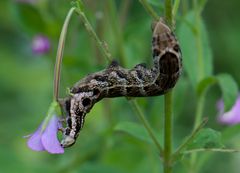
(26, 84)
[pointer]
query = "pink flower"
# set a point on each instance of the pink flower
(46, 139)
(40, 45)
(232, 116)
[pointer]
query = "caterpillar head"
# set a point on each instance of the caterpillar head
(67, 141)
(76, 107)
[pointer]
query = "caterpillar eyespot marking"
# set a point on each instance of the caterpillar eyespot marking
(116, 81)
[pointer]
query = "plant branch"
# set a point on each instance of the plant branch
(221, 150)
(168, 132)
(175, 8)
(168, 117)
(168, 12)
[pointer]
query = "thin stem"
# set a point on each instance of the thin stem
(168, 12)
(149, 9)
(175, 8)
(92, 33)
(141, 116)
(168, 132)
(189, 139)
(59, 57)
(168, 117)
(221, 150)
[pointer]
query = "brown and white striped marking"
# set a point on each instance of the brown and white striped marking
(116, 81)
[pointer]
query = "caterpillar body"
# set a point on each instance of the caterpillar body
(116, 81)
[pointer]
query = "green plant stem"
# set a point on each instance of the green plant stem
(149, 9)
(92, 33)
(141, 116)
(59, 57)
(168, 117)
(168, 132)
(175, 8)
(168, 12)
(221, 150)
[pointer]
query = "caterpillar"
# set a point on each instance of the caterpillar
(116, 81)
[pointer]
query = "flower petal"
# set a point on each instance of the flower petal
(34, 142)
(49, 137)
(233, 116)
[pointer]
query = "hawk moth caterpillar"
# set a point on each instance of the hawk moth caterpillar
(116, 81)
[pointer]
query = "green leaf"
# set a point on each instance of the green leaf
(30, 17)
(134, 129)
(229, 90)
(206, 138)
(191, 51)
(205, 83)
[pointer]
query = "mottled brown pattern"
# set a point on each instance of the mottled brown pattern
(116, 81)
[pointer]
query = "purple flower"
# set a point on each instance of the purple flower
(46, 140)
(40, 45)
(232, 116)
